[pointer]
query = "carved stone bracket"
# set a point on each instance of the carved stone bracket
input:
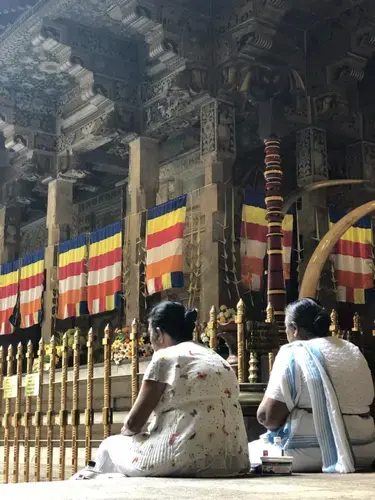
(346, 71)
(173, 35)
(96, 101)
(331, 108)
(218, 133)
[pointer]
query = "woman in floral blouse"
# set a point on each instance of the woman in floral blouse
(197, 428)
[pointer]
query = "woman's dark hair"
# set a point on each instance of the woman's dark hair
(308, 315)
(174, 319)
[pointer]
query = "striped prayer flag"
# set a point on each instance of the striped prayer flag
(104, 269)
(352, 261)
(9, 280)
(31, 289)
(72, 278)
(165, 231)
(254, 241)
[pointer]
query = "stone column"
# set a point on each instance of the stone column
(59, 221)
(312, 166)
(218, 152)
(10, 221)
(143, 187)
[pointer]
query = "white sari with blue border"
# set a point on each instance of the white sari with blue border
(330, 435)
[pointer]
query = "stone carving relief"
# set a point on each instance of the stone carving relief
(331, 108)
(98, 212)
(34, 236)
(311, 150)
(182, 167)
(218, 129)
(209, 128)
(226, 129)
(230, 19)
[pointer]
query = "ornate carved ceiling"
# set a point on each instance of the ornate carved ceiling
(77, 77)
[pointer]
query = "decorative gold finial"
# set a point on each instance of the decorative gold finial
(212, 327)
(334, 327)
(356, 323)
(253, 368)
(270, 314)
(271, 360)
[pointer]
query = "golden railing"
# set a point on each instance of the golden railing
(29, 423)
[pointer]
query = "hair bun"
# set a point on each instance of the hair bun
(191, 316)
(322, 321)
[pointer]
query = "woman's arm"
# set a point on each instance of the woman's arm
(147, 400)
(272, 414)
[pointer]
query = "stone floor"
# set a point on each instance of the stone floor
(301, 487)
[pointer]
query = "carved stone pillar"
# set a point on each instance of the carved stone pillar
(312, 166)
(59, 222)
(143, 186)
(218, 152)
(9, 233)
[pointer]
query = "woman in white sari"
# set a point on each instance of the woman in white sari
(318, 397)
(197, 428)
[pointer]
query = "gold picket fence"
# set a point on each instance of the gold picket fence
(23, 428)
(26, 425)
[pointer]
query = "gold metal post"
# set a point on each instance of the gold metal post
(7, 419)
(51, 410)
(38, 413)
(271, 360)
(27, 416)
(107, 410)
(63, 416)
(135, 361)
(253, 368)
(89, 412)
(17, 415)
(270, 314)
(356, 323)
(334, 328)
(212, 328)
(75, 409)
(241, 353)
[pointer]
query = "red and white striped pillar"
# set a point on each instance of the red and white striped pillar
(276, 294)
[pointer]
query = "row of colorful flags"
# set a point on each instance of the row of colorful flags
(352, 261)
(90, 266)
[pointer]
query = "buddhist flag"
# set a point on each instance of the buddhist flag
(104, 269)
(352, 261)
(31, 289)
(9, 279)
(254, 241)
(72, 278)
(165, 231)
